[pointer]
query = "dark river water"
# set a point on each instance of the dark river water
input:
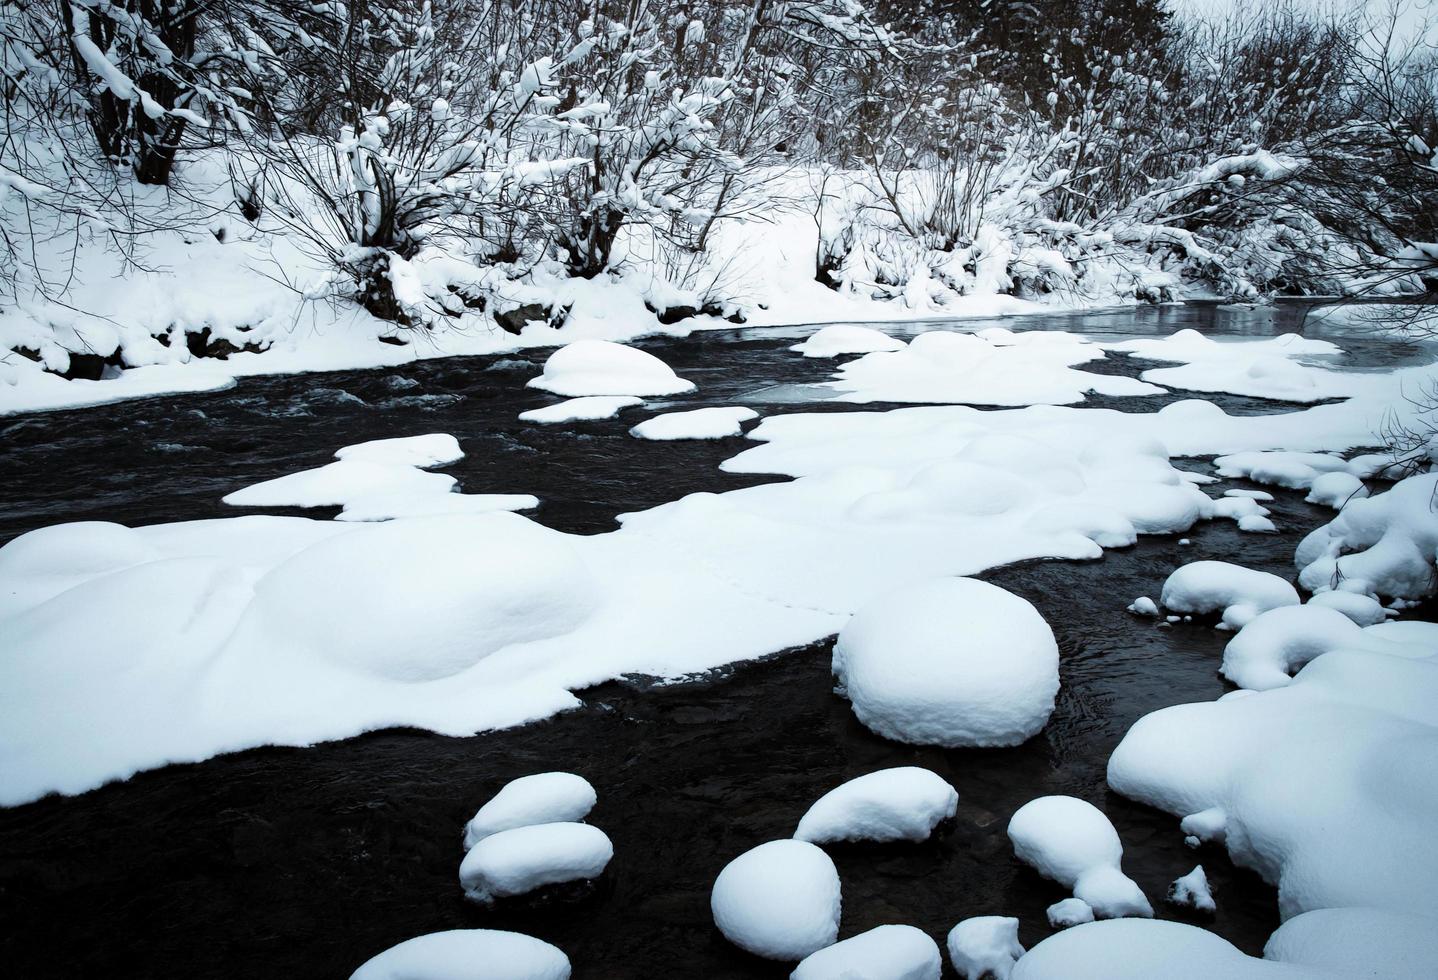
(301, 863)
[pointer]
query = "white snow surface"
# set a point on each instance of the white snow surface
(1386, 544)
(1274, 644)
(700, 423)
(434, 449)
(543, 797)
(1357, 942)
(1237, 593)
(905, 803)
(586, 409)
(1192, 891)
(1267, 368)
(779, 900)
(1324, 785)
(519, 860)
(1138, 949)
(1071, 842)
(1068, 912)
(1335, 489)
(985, 946)
(468, 954)
(602, 367)
(883, 953)
(952, 662)
(340, 483)
(844, 338)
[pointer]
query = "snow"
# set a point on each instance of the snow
(1069, 912)
(426, 451)
(1335, 490)
(337, 484)
(585, 409)
(1278, 642)
(905, 803)
(1385, 544)
(1192, 891)
(1143, 606)
(701, 423)
(952, 662)
(985, 946)
(517, 861)
(779, 900)
(1355, 942)
(544, 797)
(1133, 949)
(389, 505)
(1237, 593)
(1323, 785)
(994, 367)
(1295, 470)
(602, 367)
(468, 954)
(883, 953)
(838, 339)
(1362, 609)
(1071, 842)
(1257, 368)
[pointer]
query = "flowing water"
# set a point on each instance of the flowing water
(302, 863)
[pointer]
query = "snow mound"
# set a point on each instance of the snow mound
(1281, 468)
(905, 803)
(45, 562)
(1192, 891)
(1071, 841)
(1359, 942)
(1213, 586)
(544, 797)
(468, 954)
(1256, 368)
(1069, 912)
(422, 599)
(882, 953)
(337, 484)
(1143, 606)
(952, 662)
(846, 339)
(1274, 644)
(1385, 544)
(602, 367)
(1324, 786)
(701, 423)
(517, 861)
(435, 449)
(586, 409)
(1335, 490)
(985, 946)
(1362, 609)
(779, 900)
(1135, 949)
(1005, 368)
(389, 506)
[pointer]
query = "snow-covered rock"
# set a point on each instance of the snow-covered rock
(434, 449)
(1282, 468)
(779, 900)
(1137, 949)
(700, 423)
(1362, 609)
(952, 662)
(1143, 606)
(1324, 786)
(339, 483)
(1069, 912)
(544, 797)
(468, 954)
(1274, 644)
(882, 953)
(601, 367)
(1238, 593)
(1192, 891)
(1257, 368)
(586, 409)
(1072, 842)
(1359, 942)
(1335, 490)
(1384, 544)
(518, 861)
(905, 803)
(986, 946)
(391, 505)
(841, 338)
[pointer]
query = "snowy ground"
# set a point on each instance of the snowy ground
(132, 648)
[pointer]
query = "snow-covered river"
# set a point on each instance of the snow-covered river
(303, 862)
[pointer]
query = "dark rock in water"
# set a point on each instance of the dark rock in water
(515, 320)
(202, 344)
(85, 366)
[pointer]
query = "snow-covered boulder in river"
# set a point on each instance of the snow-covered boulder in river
(1238, 593)
(882, 953)
(701, 423)
(953, 662)
(905, 803)
(545, 797)
(779, 900)
(602, 367)
(468, 954)
(516, 862)
(845, 338)
(1072, 842)
(985, 946)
